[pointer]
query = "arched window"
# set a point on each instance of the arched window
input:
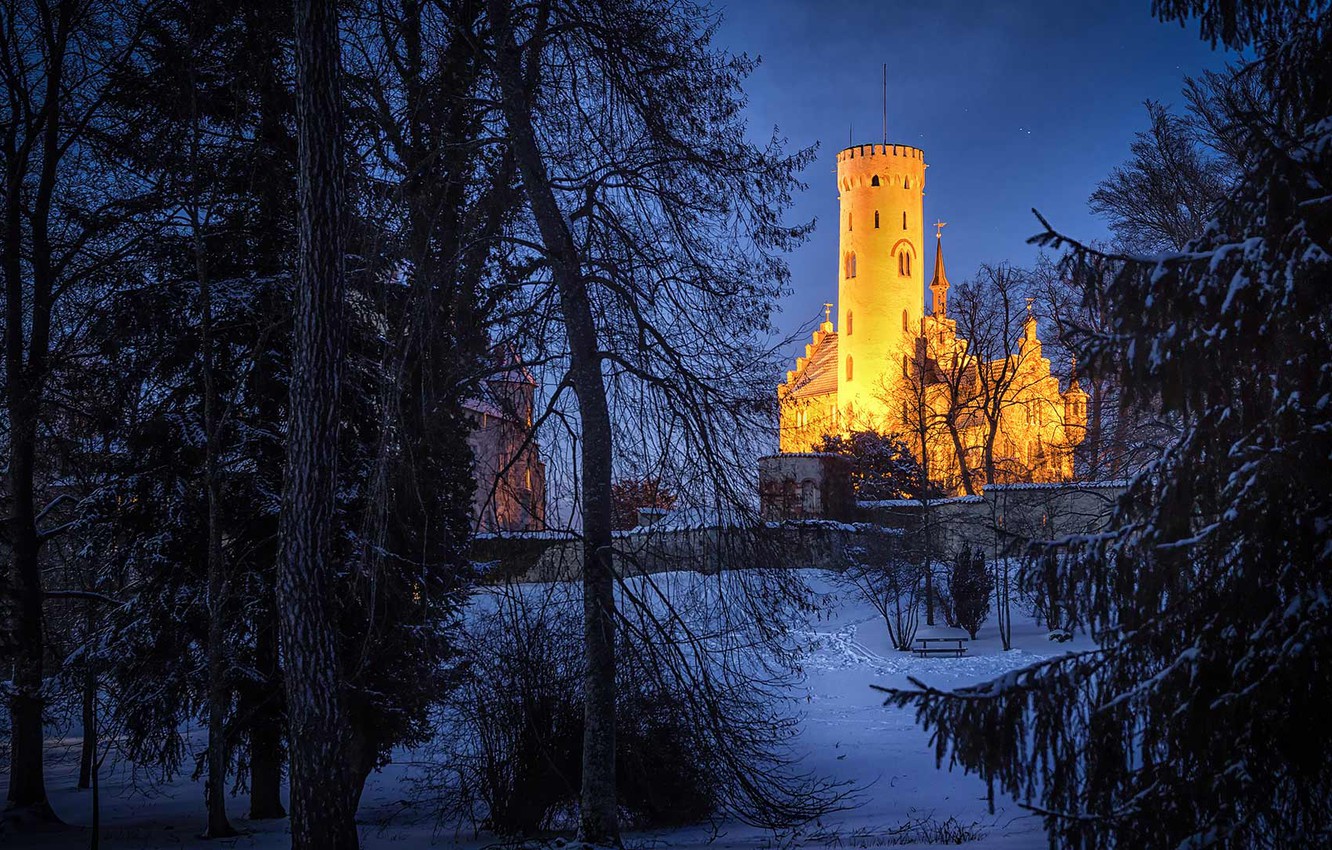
(904, 220)
(849, 369)
(876, 219)
(848, 222)
(848, 323)
(853, 264)
(874, 181)
(905, 321)
(901, 263)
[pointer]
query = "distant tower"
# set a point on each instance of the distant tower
(939, 283)
(881, 291)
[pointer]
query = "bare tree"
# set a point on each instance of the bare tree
(64, 231)
(891, 578)
(1165, 194)
(659, 226)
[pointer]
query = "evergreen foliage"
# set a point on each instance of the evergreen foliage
(1199, 719)
(883, 467)
(969, 589)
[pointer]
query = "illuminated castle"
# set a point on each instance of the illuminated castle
(892, 368)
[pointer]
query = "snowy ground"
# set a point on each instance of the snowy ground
(847, 734)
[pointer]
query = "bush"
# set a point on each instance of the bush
(514, 727)
(969, 589)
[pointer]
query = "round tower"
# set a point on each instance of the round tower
(881, 291)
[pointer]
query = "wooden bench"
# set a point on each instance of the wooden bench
(954, 647)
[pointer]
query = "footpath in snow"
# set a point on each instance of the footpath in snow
(846, 734)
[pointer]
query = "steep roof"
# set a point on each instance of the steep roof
(939, 284)
(820, 374)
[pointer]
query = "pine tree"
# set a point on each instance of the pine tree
(969, 589)
(1198, 719)
(882, 466)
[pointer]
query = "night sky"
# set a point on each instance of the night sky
(1016, 105)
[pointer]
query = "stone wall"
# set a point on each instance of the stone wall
(791, 545)
(1005, 519)
(1001, 523)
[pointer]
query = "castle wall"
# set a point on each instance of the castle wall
(1001, 523)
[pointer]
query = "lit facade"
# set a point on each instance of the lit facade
(889, 366)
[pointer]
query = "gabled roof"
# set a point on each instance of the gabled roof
(819, 376)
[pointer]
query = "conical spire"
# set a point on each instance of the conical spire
(939, 285)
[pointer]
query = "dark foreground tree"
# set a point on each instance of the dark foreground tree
(323, 800)
(1198, 721)
(63, 237)
(656, 230)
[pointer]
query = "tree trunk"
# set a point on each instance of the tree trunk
(215, 788)
(266, 718)
(323, 815)
(27, 784)
(598, 816)
(88, 751)
(968, 484)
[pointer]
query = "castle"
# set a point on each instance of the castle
(970, 418)
(510, 491)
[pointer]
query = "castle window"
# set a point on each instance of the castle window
(851, 264)
(905, 326)
(904, 263)
(904, 220)
(849, 369)
(906, 366)
(848, 222)
(848, 323)
(876, 219)
(875, 180)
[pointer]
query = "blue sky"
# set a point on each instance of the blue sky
(1016, 104)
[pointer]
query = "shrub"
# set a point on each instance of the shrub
(514, 727)
(969, 588)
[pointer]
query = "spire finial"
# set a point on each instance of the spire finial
(885, 104)
(827, 311)
(939, 285)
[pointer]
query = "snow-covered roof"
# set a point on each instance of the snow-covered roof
(916, 503)
(1063, 485)
(819, 376)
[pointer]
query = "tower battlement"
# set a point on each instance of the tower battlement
(885, 167)
(862, 151)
